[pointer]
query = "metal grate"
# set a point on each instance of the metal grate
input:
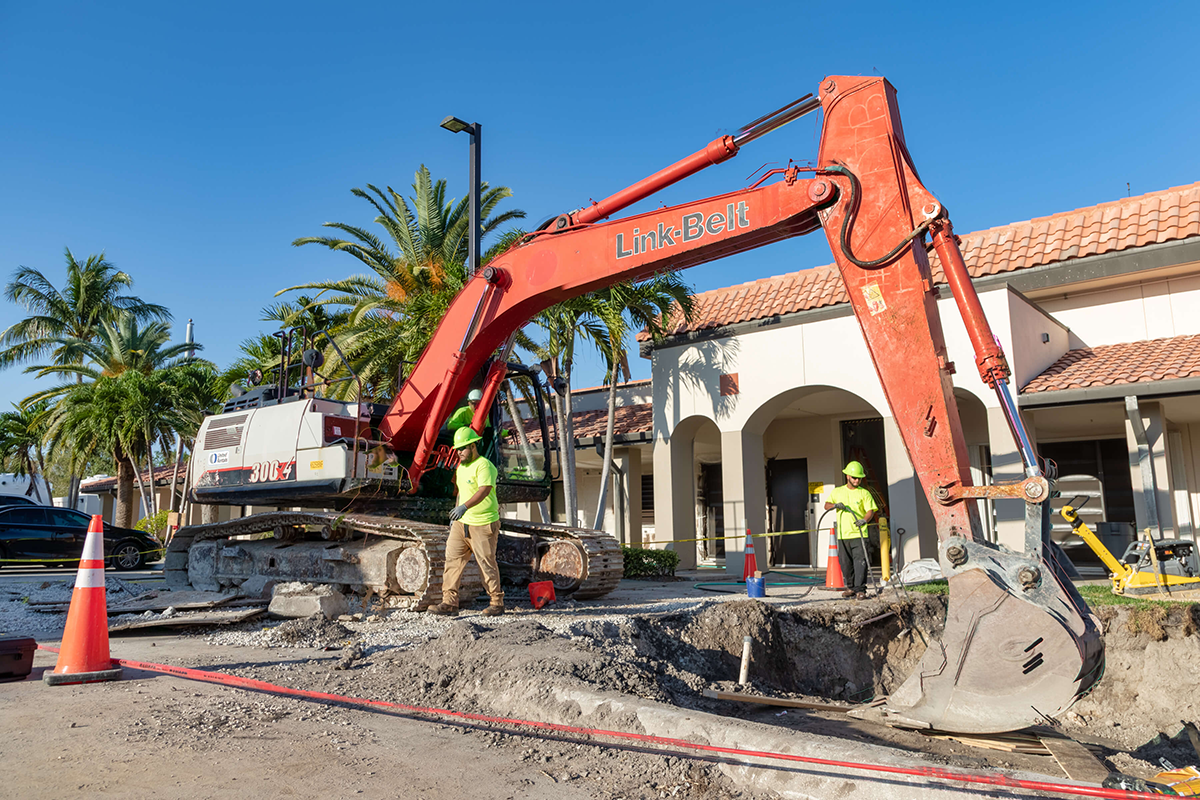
(227, 433)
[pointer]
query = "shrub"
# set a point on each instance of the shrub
(642, 563)
(155, 524)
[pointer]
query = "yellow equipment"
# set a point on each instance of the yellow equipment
(1165, 568)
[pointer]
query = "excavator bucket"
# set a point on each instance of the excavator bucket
(1019, 646)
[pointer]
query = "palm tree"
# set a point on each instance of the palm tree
(414, 273)
(22, 432)
(120, 346)
(92, 295)
(198, 388)
(89, 416)
(150, 417)
(633, 305)
(563, 325)
(123, 348)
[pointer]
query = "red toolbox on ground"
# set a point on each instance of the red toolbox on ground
(16, 658)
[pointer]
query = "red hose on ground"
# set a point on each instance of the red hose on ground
(984, 778)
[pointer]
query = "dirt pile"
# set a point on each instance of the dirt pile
(830, 652)
(1151, 680)
(314, 631)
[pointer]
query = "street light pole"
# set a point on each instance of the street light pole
(456, 125)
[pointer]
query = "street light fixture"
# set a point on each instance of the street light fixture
(456, 125)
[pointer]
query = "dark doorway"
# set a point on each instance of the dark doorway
(1106, 460)
(862, 441)
(712, 496)
(787, 497)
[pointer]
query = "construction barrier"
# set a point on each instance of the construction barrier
(833, 567)
(749, 562)
(84, 657)
(928, 772)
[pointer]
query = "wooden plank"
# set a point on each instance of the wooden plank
(161, 601)
(740, 697)
(189, 620)
(1076, 760)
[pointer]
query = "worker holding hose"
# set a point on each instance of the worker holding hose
(856, 507)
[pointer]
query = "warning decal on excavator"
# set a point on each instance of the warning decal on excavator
(874, 298)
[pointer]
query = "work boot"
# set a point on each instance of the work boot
(860, 595)
(493, 610)
(848, 593)
(443, 610)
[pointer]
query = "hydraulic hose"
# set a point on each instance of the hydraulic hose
(852, 211)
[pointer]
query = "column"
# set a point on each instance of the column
(1158, 472)
(629, 459)
(674, 497)
(907, 502)
(1007, 468)
(744, 483)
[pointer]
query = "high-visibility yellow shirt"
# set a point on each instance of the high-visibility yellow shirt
(857, 500)
(462, 418)
(468, 478)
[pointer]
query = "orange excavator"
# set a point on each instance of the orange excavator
(370, 483)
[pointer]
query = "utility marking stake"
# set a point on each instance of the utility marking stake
(745, 671)
(935, 773)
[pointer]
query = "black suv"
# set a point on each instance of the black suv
(52, 536)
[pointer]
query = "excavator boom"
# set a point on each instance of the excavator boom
(1019, 642)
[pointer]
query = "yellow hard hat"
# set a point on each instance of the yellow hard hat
(464, 437)
(855, 470)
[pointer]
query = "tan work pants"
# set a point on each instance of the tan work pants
(465, 540)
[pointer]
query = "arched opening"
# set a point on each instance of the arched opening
(689, 489)
(973, 415)
(808, 434)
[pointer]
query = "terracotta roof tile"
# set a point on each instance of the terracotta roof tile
(1130, 222)
(162, 477)
(628, 420)
(1116, 364)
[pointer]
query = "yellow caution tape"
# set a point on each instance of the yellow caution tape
(67, 559)
(757, 535)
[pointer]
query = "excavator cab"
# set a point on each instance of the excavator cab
(520, 448)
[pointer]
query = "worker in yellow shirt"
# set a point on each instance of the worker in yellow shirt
(474, 527)
(856, 507)
(463, 416)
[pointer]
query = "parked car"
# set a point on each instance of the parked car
(55, 537)
(15, 500)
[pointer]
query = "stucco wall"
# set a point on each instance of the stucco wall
(1151, 310)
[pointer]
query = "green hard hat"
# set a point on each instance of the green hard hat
(855, 470)
(464, 437)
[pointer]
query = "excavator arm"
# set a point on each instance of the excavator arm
(1019, 642)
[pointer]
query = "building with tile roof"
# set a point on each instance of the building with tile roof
(763, 395)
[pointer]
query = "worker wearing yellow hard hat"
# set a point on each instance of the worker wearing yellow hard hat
(474, 526)
(855, 508)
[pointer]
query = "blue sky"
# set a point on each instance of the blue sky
(193, 142)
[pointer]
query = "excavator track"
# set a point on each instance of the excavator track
(382, 555)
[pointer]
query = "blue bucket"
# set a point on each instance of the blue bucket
(756, 587)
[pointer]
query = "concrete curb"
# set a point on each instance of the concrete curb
(794, 781)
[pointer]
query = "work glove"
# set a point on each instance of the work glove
(457, 513)
(858, 523)
(841, 507)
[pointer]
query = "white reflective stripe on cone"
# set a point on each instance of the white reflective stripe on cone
(93, 548)
(90, 579)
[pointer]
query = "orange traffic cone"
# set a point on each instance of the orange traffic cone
(83, 657)
(750, 563)
(833, 569)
